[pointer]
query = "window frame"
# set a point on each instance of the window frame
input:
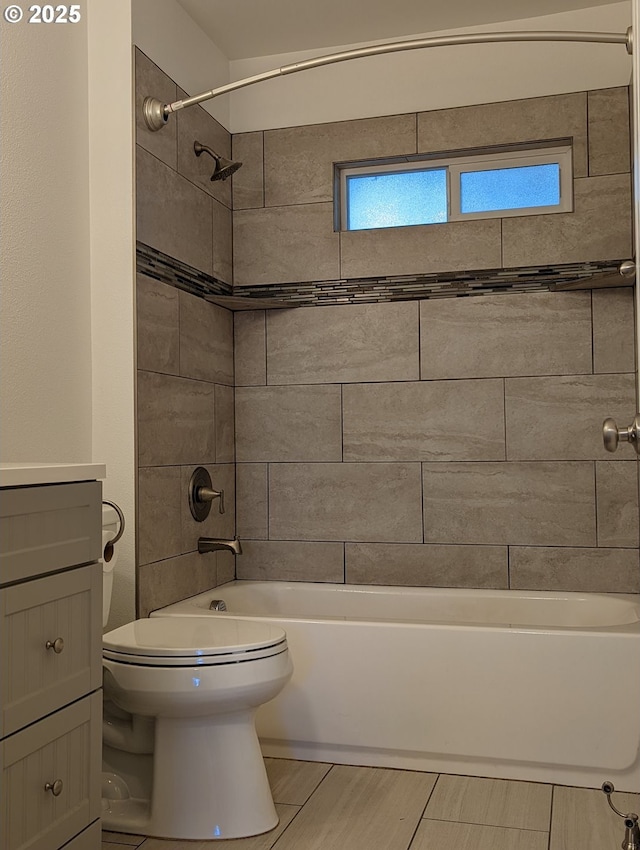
(455, 163)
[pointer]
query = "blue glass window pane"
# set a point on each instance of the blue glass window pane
(510, 188)
(396, 200)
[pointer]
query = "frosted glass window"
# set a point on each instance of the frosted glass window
(423, 189)
(397, 199)
(510, 188)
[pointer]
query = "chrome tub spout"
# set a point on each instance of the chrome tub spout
(212, 544)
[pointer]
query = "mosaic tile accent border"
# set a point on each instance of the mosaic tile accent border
(160, 266)
(153, 263)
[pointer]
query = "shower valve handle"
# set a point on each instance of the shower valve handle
(612, 435)
(202, 494)
(208, 494)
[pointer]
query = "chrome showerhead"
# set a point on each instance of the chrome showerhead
(224, 168)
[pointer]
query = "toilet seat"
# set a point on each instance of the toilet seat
(193, 641)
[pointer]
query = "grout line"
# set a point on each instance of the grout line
(595, 505)
(268, 528)
(489, 825)
(424, 529)
(266, 350)
(587, 138)
(264, 172)
(553, 794)
(593, 347)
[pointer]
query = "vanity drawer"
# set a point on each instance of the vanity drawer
(65, 611)
(51, 778)
(49, 528)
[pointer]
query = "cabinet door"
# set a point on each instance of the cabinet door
(50, 644)
(49, 528)
(51, 778)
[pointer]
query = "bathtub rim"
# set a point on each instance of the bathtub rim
(198, 605)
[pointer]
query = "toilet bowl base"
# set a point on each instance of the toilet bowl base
(209, 782)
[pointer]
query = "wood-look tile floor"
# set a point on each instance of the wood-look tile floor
(339, 807)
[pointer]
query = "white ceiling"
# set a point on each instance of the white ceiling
(248, 28)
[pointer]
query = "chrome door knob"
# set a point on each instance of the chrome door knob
(612, 435)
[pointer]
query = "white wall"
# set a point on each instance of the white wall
(67, 256)
(112, 258)
(45, 387)
(170, 38)
(434, 78)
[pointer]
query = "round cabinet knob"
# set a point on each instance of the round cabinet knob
(54, 787)
(57, 645)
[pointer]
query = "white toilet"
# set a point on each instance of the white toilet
(181, 757)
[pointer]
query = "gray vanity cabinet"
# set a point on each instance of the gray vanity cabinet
(51, 669)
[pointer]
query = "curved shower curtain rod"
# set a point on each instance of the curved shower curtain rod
(156, 113)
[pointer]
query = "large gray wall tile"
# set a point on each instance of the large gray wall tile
(613, 330)
(175, 420)
(584, 570)
(159, 499)
(609, 146)
(152, 82)
(165, 582)
(510, 503)
(599, 228)
(226, 567)
(377, 502)
(216, 524)
(426, 565)
(300, 423)
(276, 560)
(158, 335)
(560, 418)
(368, 342)
(225, 423)
(285, 244)
(250, 347)
(421, 249)
(195, 124)
(555, 117)
(222, 243)
(545, 333)
(252, 500)
(206, 340)
(299, 161)
(172, 215)
(617, 502)
(435, 420)
(248, 182)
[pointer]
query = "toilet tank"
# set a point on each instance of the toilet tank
(110, 525)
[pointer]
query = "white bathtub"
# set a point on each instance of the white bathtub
(510, 684)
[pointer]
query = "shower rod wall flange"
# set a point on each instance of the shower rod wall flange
(156, 113)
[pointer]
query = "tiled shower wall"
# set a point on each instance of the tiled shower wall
(185, 353)
(444, 442)
(283, 227)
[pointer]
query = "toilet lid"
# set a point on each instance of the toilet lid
(171, 641)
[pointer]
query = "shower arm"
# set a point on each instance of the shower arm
(156, 113)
